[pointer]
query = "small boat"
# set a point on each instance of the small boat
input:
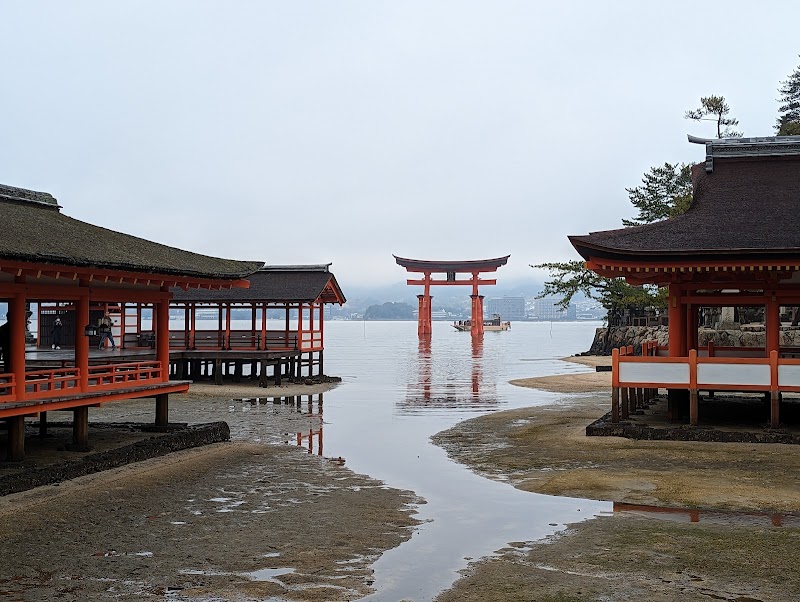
(493, 325)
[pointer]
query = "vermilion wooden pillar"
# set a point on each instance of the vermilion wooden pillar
(677, 322)
(192, 326)
(228, 326)
(773, 324)
(81, 340)
(425, 317)
(477, 315)
(691, 327)
(677, 399)
(263, 326)
(16, 319)
(162, 336)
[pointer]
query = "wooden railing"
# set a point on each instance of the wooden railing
(312, 341)
(43, 384)
(275, 340)
(50, 383)
(773, 375)
(8, 387)
(114, 376)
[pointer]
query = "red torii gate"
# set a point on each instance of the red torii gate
(450, 269)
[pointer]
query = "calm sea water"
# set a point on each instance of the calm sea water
(397, 392)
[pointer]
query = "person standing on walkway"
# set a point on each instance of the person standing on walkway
(55, 332)
(105, 332)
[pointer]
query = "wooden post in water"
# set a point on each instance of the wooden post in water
(16, 439)
(162, 409)
(80, 427)
(218, 371)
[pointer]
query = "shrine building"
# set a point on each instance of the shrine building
(281, 323)
(49, 258)
(738, 245)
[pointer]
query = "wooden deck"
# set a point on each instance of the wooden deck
(90, 398)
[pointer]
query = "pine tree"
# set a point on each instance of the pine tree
(715, 108)
(789, 111)
(666, 191)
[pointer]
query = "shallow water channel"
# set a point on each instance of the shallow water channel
(397, 392)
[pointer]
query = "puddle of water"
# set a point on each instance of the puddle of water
(408, 390)
(396, 393)
(268, 574)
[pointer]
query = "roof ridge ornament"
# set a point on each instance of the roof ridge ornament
(742, 148)
(26, 195)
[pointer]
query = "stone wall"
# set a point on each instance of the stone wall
(606, 339)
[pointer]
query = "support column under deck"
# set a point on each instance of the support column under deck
(16, 439)
(677, 399)
(80, 428)
(162, 409)
(162, 337)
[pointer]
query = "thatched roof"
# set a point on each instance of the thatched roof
(280, 284)
(746, 206)
(33, 229)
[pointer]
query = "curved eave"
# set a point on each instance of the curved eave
(55, 262)
(64, 273)
(590, 251)
(421, 265)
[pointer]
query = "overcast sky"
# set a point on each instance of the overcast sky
(344, 132)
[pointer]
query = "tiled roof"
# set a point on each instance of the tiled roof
(280, 284)
(33, 229)
(747, 206)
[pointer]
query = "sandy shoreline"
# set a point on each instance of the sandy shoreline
(210, 523)
(630, 555)
(253, 519)
(573, 382)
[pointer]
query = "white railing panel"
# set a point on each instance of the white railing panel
(668, 373)
(789, 375)
(733, 374)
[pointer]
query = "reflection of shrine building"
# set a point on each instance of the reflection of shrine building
(310, 438)
(695, 515)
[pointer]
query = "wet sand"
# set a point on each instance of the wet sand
(746, 555)
(252, 519)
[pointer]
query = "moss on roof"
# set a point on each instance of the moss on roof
(744, 208)
(33, 229)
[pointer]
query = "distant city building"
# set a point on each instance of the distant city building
(548, 309)
(509, 308)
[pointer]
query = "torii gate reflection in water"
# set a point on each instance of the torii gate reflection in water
(450, 269)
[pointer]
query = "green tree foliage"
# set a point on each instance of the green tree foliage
(666, 191)
(715, 108)
(389, 311)
(571, 277)
(789, 111)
